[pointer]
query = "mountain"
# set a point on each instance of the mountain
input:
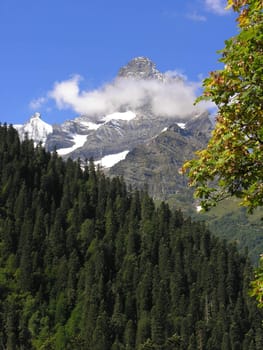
(35, 128)
(157, 162)
(120, 131)
(141, 68)
(140, 144)
(99, 136)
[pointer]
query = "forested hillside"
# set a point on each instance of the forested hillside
(87, 264)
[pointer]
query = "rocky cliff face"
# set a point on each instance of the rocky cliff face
(156, 163)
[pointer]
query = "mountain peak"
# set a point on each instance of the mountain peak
(140, 68)
(35, 128)
(37, 115)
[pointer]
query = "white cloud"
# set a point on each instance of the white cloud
(217, 6)
(194, 16)
(177, 74)
(174, 97)
(37, 103)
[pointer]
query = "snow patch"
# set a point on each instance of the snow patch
(78, 140)
(90, 125)
(112, 159)
(181, 125)
(129, 115)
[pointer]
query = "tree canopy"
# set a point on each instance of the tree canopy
(86, 264)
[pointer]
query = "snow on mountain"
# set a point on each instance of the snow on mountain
(78, 140)
(35, 128)
(112, 159)
(129, 115)
(181, 125)
(90, 125)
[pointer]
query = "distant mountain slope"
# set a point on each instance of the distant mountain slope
(157, 162)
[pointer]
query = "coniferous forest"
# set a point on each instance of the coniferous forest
(86, 263)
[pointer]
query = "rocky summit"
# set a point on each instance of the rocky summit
(140, 68)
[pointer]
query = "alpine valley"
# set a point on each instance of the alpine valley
(148, 149)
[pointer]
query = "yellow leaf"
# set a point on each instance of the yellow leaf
(229, 4)
(243, 18)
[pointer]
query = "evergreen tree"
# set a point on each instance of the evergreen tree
(87, 264)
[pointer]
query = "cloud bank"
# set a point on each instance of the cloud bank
(37, 103)
(174, 97)
(216, 6)
(194, 16)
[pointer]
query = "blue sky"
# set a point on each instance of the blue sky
(44, 42)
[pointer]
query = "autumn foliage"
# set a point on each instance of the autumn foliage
(232, 163)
